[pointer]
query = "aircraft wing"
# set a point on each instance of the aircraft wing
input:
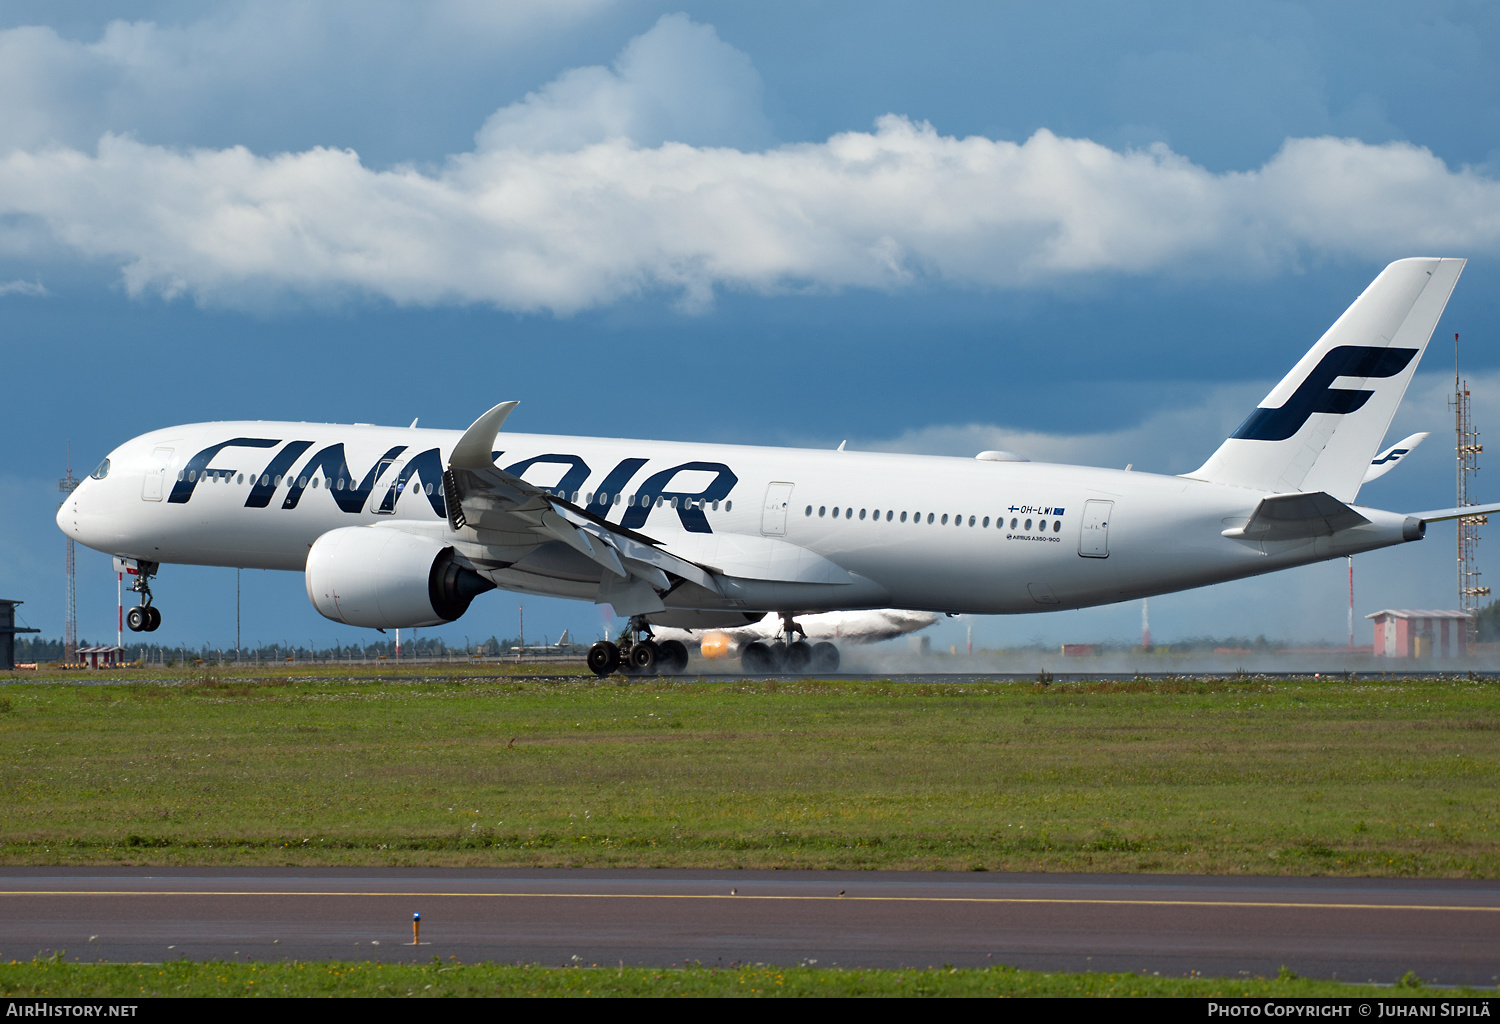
(515, 517)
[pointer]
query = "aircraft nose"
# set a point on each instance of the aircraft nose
(67, 516)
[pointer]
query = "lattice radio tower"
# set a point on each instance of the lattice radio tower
(1468, 448)
(70, 608)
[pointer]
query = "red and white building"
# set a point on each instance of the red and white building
(1420, 633)
(101, 657)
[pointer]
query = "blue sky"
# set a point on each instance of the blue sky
(1095, 233)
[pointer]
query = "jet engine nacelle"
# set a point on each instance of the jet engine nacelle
(388, 579)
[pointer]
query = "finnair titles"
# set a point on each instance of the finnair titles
(397, 527)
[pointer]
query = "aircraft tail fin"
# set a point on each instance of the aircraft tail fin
(1307, 434)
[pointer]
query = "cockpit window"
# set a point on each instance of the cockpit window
(101, 472)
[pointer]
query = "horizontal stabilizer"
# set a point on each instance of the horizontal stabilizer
(1438, 515)
(1386, 460)
(1297, 517)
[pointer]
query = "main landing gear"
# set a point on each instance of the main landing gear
(144, 617)
(788, 655)
(638, 654)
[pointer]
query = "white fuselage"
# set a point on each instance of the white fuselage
(934, 533)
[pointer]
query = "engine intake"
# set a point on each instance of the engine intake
(388, 579)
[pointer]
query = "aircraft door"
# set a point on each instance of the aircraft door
(383, 499)
(1093, 542)
(156, 474)
(773, 514)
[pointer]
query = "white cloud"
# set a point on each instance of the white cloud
(579, 196)
(258, 65)
(33, 288)
(678, 82)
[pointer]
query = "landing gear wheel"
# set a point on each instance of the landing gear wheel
(137, 619)
(644, 657)
(825, 658)
(777, 654)
(153, 618)
(604, 658)
(755, 657)
(799, 656)
(672, 657)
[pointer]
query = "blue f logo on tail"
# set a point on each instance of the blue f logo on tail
(1315, 395)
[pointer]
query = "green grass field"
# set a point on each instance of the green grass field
(53, 977)
(1306, 777)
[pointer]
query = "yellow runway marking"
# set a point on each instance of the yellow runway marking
(1283, 905)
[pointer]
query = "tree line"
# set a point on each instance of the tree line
(39, 650)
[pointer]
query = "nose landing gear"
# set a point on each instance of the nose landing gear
(145, 617)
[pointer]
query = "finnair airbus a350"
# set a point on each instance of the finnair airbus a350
(405, 527)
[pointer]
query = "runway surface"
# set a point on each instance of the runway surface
(1448, 931)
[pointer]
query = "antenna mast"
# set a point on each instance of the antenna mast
(1467, 448)
(70, 602)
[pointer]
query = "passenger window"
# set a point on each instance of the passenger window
(861, 513)
(1028, 524)
(1013, 524)
(1042, 526)
(930, 517)
(809, 509)
(971, 521)
(240, 479)
(945, 519)
(875, 514)
(835, 511)
(888, 514)
(986, 523)
(1057, 526)
(728, 505)
(903, 517)
(716, 508)
(302, 481)
(822, 509)
(315, 485)
(674, 502)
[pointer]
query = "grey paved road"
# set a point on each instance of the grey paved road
(1354, 929)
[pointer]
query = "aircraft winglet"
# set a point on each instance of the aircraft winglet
(1386, 460)
(473, 449)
